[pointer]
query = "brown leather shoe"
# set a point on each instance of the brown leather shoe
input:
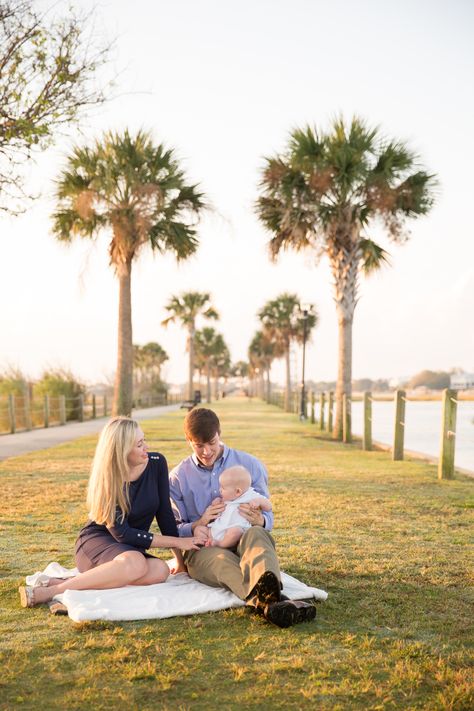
(289, 612)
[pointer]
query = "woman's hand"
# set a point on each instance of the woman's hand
(202, 533)
(190, 543)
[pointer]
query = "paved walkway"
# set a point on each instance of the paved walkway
(14, 445)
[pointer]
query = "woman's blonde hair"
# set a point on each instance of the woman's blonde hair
(108, 485)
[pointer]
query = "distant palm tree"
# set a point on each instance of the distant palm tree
(147, 363)
(205, 349)
(283, 323)
(324, 192)
(185, 309)
(221, 362)
(137, 190)
(262, 351)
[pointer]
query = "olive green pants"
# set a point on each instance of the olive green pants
(236, 569)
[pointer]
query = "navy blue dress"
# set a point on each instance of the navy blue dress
(149, 498)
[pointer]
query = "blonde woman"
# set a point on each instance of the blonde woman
(128, 488)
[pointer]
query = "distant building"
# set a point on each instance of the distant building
(462, 381)
(398, 382)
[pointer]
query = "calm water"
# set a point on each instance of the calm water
(422, 427)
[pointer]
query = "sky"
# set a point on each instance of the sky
(223, 83)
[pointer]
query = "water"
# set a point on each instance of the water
(422, 427)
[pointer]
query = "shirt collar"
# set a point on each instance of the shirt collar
(219, 460)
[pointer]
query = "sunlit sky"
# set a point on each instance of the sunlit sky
(223, 83)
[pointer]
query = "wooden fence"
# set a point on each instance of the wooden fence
(324, 422)
(22, 413)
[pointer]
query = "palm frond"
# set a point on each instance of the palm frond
(373, 256)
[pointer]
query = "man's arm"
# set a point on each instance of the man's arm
(186, 527)
(260, 484)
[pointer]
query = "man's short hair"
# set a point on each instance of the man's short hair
(201, 425)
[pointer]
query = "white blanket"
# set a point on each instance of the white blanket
(180, 595)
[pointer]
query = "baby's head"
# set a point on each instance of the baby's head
(234, 482)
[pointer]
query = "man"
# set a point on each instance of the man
(251, 570)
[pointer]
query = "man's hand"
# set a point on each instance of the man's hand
(215, 508)
(252, 514)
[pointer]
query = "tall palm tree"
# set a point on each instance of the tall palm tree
(325, 193)
(283, 324)
(262, 351)
(185, 309)
(135, 189)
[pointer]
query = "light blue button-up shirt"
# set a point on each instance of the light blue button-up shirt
(193, 487)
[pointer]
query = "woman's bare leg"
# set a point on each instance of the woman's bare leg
(123, 570)
(158, 571)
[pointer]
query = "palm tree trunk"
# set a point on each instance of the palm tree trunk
(345, 268)
(288, 379)
(344, 370)
(268, 385)
(191, 361)
(208, 383)
(123, 388)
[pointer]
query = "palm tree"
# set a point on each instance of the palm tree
(325, 193)
(221, 362)
(205, 348)
(147, 363)
(137, 190)
(283, 324)
(262, 351)
(185, 309)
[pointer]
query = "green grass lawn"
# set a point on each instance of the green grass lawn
(390, 543)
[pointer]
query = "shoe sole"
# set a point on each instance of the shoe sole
(24, 599)
(287, 615)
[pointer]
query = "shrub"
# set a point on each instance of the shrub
(61, 382)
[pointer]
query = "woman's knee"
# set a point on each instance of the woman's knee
(158, 570)
(133, 564)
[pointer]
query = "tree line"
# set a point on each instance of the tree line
(325, 192)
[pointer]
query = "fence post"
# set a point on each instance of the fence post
(322, 401)
(367, 438)
(399, 432)
(448, 435)
(12, 413)
(330, 410)
(94, 407)
(46, 410)
(62, 409)
(312, 407)
(295, 402)
(81, 408)
(105, 405)
(346, 419)
(27, 404)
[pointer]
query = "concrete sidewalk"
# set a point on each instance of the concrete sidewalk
(14, 445)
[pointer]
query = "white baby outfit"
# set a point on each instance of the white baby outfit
(230, 517)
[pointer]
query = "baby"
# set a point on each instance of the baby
(235, 489)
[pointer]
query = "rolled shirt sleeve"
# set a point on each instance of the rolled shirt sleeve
(182, 522)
